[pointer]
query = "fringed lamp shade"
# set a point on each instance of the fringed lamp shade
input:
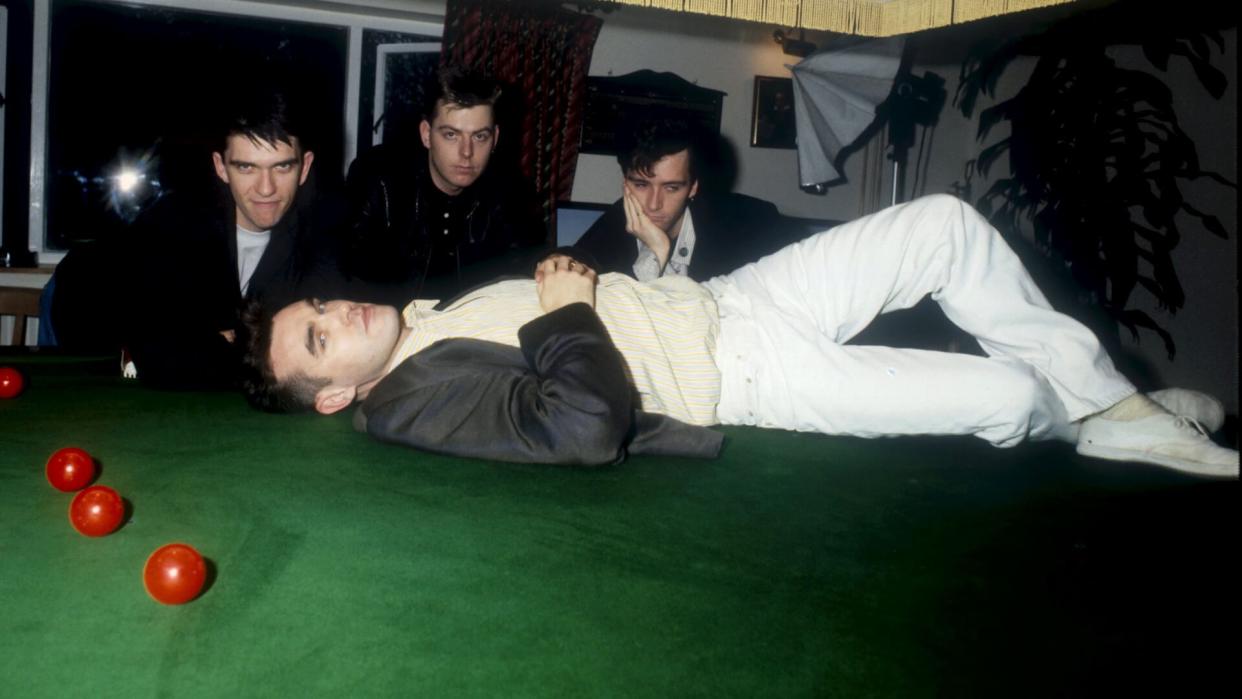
(865, 17)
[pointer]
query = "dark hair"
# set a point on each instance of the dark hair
(640, 148)
(264, 114)
(460, 87)
(296, 394)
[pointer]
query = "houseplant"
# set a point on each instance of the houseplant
(1096, 156)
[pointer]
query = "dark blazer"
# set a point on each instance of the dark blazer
(730, 230)
(561, 398)
(167, 287)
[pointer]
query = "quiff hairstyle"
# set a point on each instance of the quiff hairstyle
(295, 394)
(461, 88)
(641, 147)
(263, 114)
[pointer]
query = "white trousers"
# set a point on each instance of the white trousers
(786, 318)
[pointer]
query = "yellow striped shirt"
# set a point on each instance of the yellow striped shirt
(666, 331)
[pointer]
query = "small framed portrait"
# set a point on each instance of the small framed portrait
(772, 118)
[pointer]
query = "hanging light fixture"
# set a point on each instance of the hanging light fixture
(799, 47)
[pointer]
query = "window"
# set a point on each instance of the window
(130, 89)
(4, 32)
(397, 66)
(15, 52)
(130, 104)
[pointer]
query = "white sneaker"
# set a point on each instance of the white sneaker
(1172, 441)
(1199, 406)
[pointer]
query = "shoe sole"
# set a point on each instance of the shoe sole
(1113, 454)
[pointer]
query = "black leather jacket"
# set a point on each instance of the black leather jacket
(413, 241)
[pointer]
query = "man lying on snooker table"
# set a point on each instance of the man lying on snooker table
(572, 369)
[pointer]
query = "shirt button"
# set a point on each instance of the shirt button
(445, 214)
(683, 252)
(445, 231)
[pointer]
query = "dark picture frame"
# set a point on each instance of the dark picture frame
(772, 115)
(615, 102)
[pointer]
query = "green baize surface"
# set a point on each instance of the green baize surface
(794, 565)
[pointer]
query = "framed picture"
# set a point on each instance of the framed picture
(613, 102)
(772, 118)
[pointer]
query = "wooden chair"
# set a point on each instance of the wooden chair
(19, 302)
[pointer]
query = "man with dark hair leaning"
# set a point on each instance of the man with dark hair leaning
(430, 221)
(186, 264)
(564, 370)
(666, 224)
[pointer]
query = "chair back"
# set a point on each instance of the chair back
(19, 302)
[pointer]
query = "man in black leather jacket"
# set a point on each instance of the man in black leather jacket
(430, 221)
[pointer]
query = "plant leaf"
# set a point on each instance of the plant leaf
(1133, 320)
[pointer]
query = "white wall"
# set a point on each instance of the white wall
(722, 55)
(1206, 329)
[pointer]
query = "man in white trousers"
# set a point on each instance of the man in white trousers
(569, 368)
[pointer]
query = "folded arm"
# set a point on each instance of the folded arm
(562, 398)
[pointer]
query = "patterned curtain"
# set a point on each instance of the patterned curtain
(543, 52)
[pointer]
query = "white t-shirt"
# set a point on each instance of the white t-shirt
(250, 247)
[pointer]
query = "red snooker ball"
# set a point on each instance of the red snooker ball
(11, 382)
(70, 469)
(174, 574)
(96, 511)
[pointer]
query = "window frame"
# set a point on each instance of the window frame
(382, 51)
(4, 98)
(355, 21)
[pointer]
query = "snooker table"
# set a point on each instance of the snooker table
(793, 565)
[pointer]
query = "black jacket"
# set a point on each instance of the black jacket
(167, 288)
(730, 230)
(562, 398)
(400, 239)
